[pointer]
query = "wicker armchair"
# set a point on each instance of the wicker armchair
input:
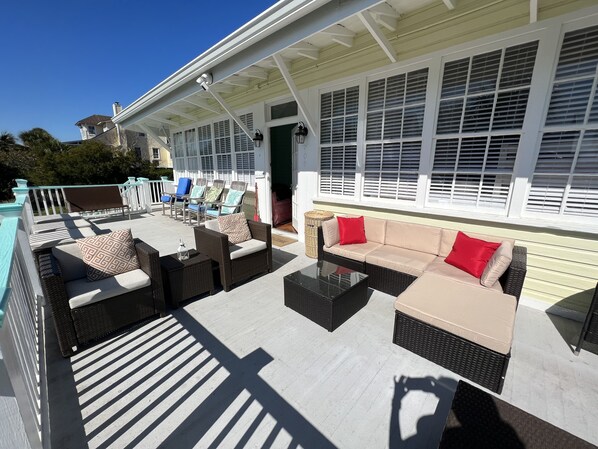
(215, 245)
(84, 324)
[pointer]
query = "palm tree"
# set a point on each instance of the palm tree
(7, 140)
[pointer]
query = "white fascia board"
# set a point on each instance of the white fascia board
(279, 27)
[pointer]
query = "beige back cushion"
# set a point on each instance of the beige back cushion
(330, 232)
(498, 264)
(449, 236)
(375, 229)
(70, 259)
(413, 236)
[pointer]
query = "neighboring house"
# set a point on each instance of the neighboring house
(101, 128)
(478, 115)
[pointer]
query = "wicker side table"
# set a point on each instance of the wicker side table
(186, 279)
(313, 220)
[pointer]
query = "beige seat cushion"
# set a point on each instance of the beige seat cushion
(356, 252)
(413, 236)
(400, 259)
(247, 247)
(449, 236)
(483, 316)
(81, 292)
(440, 267)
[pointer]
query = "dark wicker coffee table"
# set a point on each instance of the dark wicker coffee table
(326, 293)
(186, 279)
(480, 420)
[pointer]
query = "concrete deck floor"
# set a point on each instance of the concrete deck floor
(239, 369)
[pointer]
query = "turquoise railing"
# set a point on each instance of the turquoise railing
(22, 334)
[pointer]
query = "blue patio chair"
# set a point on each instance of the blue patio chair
(196, 195)
(232, 203)
(198, 207)
(169, 198)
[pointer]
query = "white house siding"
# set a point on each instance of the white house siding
(563, 258)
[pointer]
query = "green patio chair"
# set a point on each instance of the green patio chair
(232, 203)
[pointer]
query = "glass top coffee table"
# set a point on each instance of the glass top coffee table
(326, 293)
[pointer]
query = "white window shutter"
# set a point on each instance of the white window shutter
(338, 141)
(565, 180)
(395, 113)
(480, 117)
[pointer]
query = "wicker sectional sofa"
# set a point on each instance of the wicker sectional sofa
(441, 312)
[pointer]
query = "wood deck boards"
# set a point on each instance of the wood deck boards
(239, 369)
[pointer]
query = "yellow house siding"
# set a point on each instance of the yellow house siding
(562, 265)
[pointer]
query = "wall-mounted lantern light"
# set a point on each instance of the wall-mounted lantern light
(301, 132)
(258, 137)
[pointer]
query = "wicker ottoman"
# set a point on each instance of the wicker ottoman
(480, 420)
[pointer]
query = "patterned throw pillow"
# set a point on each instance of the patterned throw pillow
(235, 227)
(109, 254)
(213, 194)
(197, 192)
(233, 198)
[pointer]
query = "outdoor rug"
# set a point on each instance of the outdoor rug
(280, 241)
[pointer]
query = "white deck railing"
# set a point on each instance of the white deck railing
(21, 320)
(139, 194)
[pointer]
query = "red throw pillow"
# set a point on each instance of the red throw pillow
(471, 255)
(351, 230)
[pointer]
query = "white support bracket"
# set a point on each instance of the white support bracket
(153, 135)
(340, 35)
(202, 104)
(378, 35)
(180, 113)
(306, 50)
(163, 120)
(533, 11)
(226, 107)
(284, 70)
(385, 15)
(450, 4)
(255, 72)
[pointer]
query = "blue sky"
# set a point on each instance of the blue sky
(64, 60)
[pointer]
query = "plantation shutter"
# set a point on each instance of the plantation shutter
(565, 180)
(244, 151)
(191, 149)
(222, 146)
(395, 115)
(178, 151)
(205, 152)
(338, 141)
(482, 106)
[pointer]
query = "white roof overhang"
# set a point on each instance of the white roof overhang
(283, 24)
(289, 30)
